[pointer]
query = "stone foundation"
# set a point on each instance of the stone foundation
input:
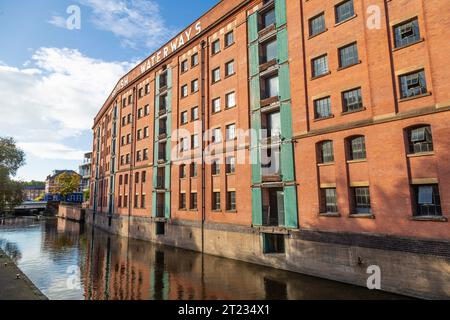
(408, 266)
(71, 212)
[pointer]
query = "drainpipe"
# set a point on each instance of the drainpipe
(203, 112)
(132, 158)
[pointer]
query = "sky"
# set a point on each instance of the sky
(59, 61)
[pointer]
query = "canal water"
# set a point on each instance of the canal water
(66, 260)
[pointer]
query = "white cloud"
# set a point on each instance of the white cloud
(55, 99)
(44, 150)
(138, 23)
(58, 21)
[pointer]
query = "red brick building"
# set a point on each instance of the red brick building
(348, 107)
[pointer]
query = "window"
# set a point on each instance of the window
(138, 156)
(184, 144)
(231, 201)
(413, 84)
(122, 160)
(124, 121)
(136, 177)
(193, 201)
(141, 90)
(182, 171)
(361, 200)
(193, 170)
(230, 132)
(129, 118)
(143, 201)
(215, 168)
(128, 158)
(267, 19)
(216, 105)
(182, 201)
(184, 117)
(420, 139)
(140, 113)
(216, 75)
(229, 68)
(146, 132)
(271, 88)
(125, 201)
(216, 201)
(126, 179)
(273, 124)
(317, 24)
(145, 154)
(229, 39)
(273, 243)
(194, 141)
(163, 80)
(230, 100)
(123, 140)
(144, 176)
(406, 33)
(129, 138)
(147, 88)
(184, 66)
(344, 11)
(326, 153)
(130, 99)
(194, 114)
(328, 200)
(215, 47)
(194, 85)
(352, 100)
(357, 148)
(119, 204)
(348, 55)
(322, 108)
(194, 60)
(320, 66)
(146, 110)
(184, 91)
(120, 180)
(268, 51)
(230, 165)
(427, 200)
(217, 135)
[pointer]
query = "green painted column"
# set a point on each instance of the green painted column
(257, 206)
(252, 26)
(280, 12)
(290, 207)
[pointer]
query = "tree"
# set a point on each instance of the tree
(11, 159)
(67, 183)
(86, 195)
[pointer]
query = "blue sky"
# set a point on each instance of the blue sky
(54, 80)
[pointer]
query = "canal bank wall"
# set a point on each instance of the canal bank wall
(417, 268)
(71, 212)
(13, 287)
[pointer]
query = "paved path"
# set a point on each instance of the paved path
(12, 288)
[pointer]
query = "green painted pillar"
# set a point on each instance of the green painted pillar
(280, 12)
(290, 207)
(257, 206)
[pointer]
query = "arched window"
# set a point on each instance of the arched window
(325, 151)
(420, 139)
(357, 148)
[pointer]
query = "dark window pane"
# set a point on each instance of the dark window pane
(352, 100)
(317, 24)
(420, 139)
(348, 55)
(322, 108)
(406, 33)
(344, 11)
(358, 148)
(413, 84)
(427, 200)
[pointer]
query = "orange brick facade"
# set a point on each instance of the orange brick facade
(124, 163)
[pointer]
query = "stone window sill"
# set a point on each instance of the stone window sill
(353, 111)
(362, 216)
(344, 21)
(430, 218)
(325, 164)
(317, 34)
(324, 118)
(408, 45)
(321, 76)
(420, 154)
(231, 211)
(349, 66)
(330, 215)
(426, 94)
(356, 161)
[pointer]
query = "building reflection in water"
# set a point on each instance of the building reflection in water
(117, 268)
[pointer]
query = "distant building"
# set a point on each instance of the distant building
(51, 185)
(85, 171)
(32, 192)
